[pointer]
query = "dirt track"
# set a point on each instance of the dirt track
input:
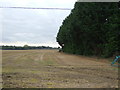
(51, 69)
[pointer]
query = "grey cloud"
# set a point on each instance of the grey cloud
(32, 26)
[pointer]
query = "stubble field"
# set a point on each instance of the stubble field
(51, 69)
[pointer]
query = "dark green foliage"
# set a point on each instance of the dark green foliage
(25, 47)
(91, 29)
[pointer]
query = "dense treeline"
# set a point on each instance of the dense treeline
(92, 28)
(25, 47)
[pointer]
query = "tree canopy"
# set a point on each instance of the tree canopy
(92, 28)
(25, 47)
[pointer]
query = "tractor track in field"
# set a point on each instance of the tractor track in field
(51, 69)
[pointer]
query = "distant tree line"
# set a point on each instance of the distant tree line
(25, 47)
(92, 28)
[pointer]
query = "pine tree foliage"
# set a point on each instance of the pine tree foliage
(92, 28)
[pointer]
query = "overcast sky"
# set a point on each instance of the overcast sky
(32, 27)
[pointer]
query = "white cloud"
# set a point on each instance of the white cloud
(34, 27)
(1, 17)
(38, 3)
(24, 35)
(19, 43)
